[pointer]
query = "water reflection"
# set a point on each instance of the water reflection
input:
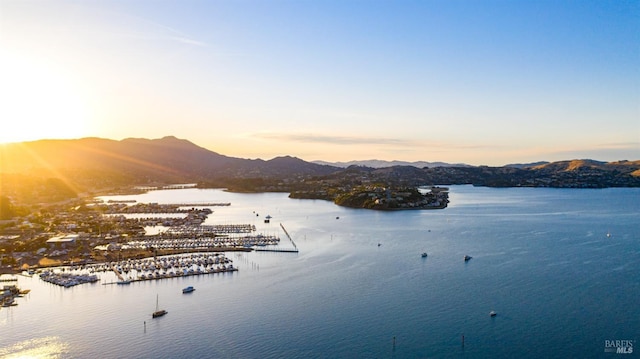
(37, 348)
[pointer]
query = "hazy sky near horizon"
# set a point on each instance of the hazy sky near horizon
(479, 82)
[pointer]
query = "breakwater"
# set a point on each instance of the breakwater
(288, 236)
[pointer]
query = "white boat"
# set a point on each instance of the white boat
(492, 313)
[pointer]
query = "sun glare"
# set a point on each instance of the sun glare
(39, 102)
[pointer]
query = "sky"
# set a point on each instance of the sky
(476, 82)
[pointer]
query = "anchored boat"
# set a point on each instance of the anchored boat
(159, 312)
(188, 289)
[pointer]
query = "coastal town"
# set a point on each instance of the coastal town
(86, 241)
(79, 233)
(85, 230)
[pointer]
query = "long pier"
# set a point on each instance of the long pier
(115, 270)
(282, 250)
(203, 204)
(276, 250)
(291, 239)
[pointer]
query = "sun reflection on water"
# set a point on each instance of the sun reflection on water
(39, 348)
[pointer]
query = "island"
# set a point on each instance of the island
(380, 197)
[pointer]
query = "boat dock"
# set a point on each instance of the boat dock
(282, 250)
(67, 279)
(276, 250)
(177, 275)
(203, 204)
(171, 266)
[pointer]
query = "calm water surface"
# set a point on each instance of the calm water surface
(541, 259)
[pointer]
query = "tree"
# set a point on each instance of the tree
(6, 208)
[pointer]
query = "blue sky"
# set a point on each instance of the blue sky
(479, 82)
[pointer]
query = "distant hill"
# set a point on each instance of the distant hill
(564, 174)
(96, 162)
(573, 165)
(527, 165)
(631, 168)
(382, 164)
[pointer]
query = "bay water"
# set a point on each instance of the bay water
(561, 267)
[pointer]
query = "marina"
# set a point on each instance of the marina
(67, 279)
(136, 270)
(203, 243)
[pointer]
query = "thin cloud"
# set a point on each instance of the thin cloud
(352, 140)
(620, 145)
(144, 28)
(175, 35)
(335, 140)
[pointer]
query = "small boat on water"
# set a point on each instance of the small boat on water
(159, 312)
(188, 289)
(466, 258)
(127, 281)
(492, 313)
(9, 302)
(424, 254)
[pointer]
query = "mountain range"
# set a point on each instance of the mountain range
(381, 164)
(97, 163)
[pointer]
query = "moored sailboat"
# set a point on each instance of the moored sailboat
(159, 312)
